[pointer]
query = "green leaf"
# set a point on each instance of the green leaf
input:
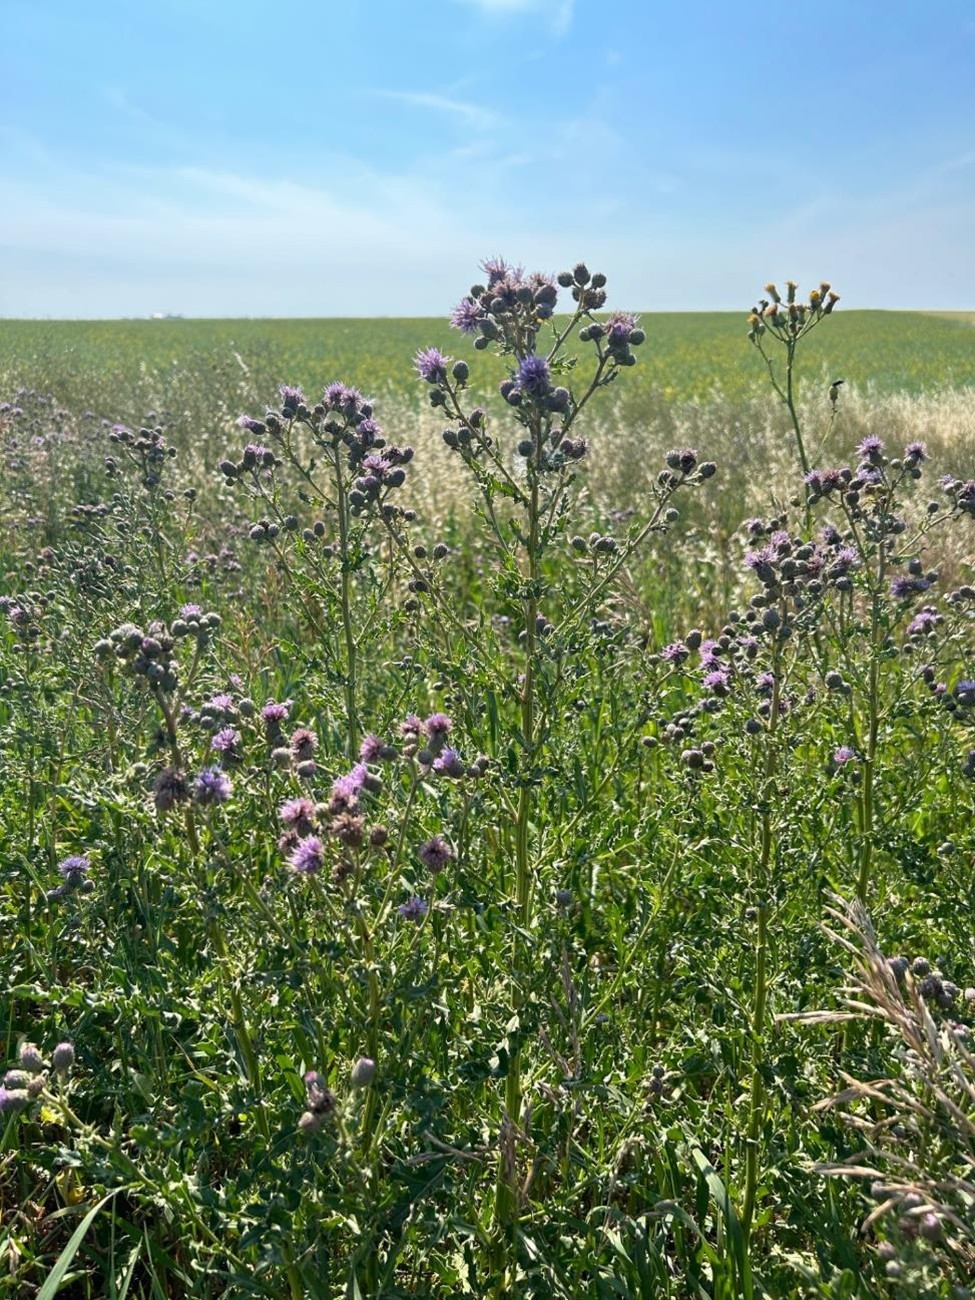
(56, 1276)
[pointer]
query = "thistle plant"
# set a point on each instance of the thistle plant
(786, 323)
(328, 556)
(513, 313)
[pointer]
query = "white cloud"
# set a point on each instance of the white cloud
(474, 114)
(560, 12)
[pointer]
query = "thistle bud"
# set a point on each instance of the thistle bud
(62, 1058)
(363, 1072)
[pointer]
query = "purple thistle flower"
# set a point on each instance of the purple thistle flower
(340, 397)
(255, 453)
(298, 815)
(844, 560)
(437, 726)
(415, 909)
(371, 749)
(844, 755)
(169, 789)
(903, 587)
(212, 786)
(13, 1100)
(368, 431)
(76, 865)
(676, 653)
(926, 620)
(717, 682)
(764, 683)
(273, 714)
(62, 1058)
(618, 327)
(762, 563)
(346, 789)
(303, 744)
(467, 316)
(435, 853)
(226, 740)
(411, 726)
(965, 693)
(363, 1072)
(534, 376)
(497, 269)
(916, 452)
(291, 397)
(871, 447)
(449, 763)
(250, 424)
(308, 857)
(221, 704)
(431, 365)
(190, 611)
(709, 655)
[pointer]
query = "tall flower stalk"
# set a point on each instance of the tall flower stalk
(787, 322)
(526, 501)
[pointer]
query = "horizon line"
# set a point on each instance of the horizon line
(172, 318)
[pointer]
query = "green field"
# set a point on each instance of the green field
(116, 366)
(492, 868)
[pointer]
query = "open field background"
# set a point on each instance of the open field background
(693, 354)
(699, 382)
(300, 1080)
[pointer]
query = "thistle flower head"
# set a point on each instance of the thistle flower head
(534, 376)
(308, 857)
(467, 316)
(619, 326)
(226, 740)
(431, 365)
(211, 786)
(291, 397)
(62, 1058)
(342, 399)
(169, 789)
(371, 749)
(273, 713)
(298, 814)
(414, 909)
(74, 866)
(435, 853)
(303, 744)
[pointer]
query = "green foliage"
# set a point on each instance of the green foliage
(595, 1021)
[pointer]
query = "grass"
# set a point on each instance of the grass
(123, 368)
(603, 1045)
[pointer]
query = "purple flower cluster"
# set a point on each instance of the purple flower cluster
(211, 786)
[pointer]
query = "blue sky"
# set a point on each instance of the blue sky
(233, 158)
